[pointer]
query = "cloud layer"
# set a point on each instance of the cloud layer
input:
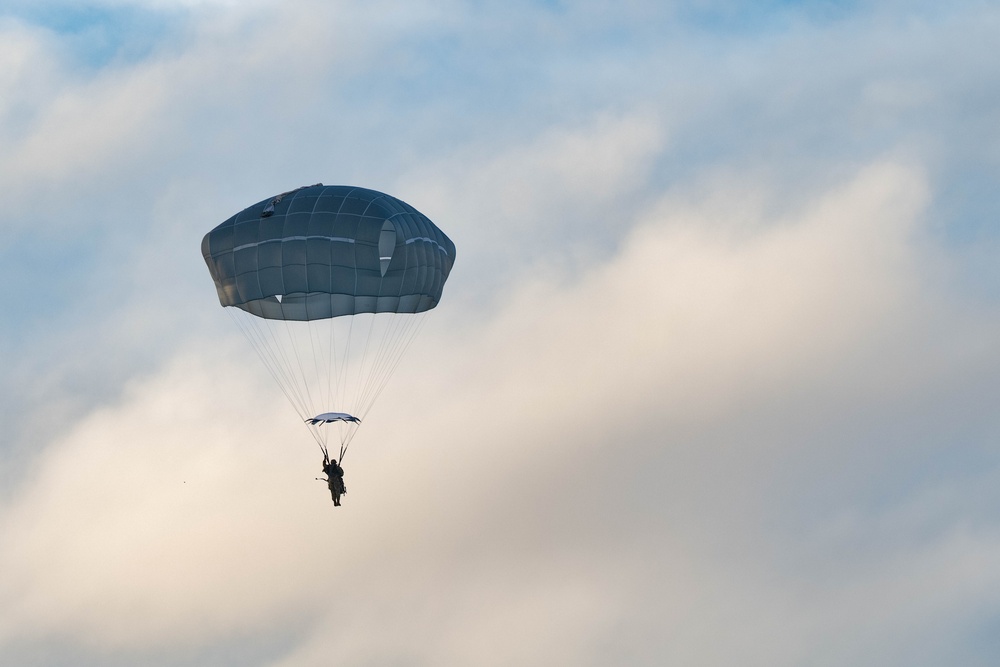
(712, 382)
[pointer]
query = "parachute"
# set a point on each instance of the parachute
(329, 284)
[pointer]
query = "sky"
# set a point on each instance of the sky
(713, 380)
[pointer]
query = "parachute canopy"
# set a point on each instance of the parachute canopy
(327, 251)
(329, 283)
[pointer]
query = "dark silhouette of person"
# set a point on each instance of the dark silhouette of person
(334, 479)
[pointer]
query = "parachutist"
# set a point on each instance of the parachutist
(335, 479)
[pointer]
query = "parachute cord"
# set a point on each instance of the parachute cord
(317, 365)
(265, 343)
(318, 433)
(398, 342)
(269, 344)
(387, 337)
(388, 347)
(401, 345)
(285, 365)
(342, 382)
(359, 384)
(398, 355)
(298, 361)
(269, 333)
(387, 341)
(342, 350)
(257, 341)
(363, 377)
(334, 362)
(344, 363)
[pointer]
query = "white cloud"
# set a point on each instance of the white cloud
(530, 185)
(565, 195)
(739, 418)
(483, 517)
(145, 509)
(106, 139)
(689, 297)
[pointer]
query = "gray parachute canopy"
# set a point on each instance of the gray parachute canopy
(328, 250)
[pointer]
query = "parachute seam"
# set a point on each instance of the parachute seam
(339, 239)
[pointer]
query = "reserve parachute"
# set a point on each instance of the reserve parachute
(329, 284)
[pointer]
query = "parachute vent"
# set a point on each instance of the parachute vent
(269, 209)
(386, 245)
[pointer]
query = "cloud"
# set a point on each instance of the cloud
(708, 386)
(588, 462)
(682, 287)
(159, 483)
(556, 195)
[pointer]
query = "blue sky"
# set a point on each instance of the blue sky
(713, 380)
(96, 36)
